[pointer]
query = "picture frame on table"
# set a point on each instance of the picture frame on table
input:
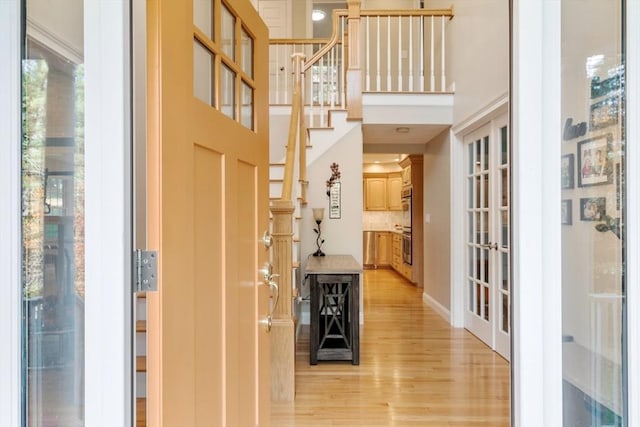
(594, 161)
(593, 208)
(566, 212)
(567, 174)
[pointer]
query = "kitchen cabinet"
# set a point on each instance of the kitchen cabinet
(383, 248)
(406, 174)
(396, 252)
(394, 192)
(397, 264)
(382, 192)
(375, 193)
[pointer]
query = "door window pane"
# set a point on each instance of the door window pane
(593, 283)
(203, 16)
(53, 286)
(228, 91)
(228, 28)
(246, 42)
(247, 106)
(202, 73)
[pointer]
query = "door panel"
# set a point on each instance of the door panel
(208, 301)
(208, 355)
(488, 312)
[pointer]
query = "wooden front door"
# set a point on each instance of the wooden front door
(208, 348)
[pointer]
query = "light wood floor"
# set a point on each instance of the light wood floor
(414, 370)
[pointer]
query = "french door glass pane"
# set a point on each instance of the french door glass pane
(593, 282)
(53, 285)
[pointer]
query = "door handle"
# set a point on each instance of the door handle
(274, 285)
(267, 239)
(490, 246)
(267, 322)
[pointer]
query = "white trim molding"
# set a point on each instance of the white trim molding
(436, 306)
(10, 235)
(536, 299)
(632, 125)
(108, 304)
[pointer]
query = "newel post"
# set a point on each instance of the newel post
(283, 329)
(354, 72)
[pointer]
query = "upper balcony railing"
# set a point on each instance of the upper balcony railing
(397, 51)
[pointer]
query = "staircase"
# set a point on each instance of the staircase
(324, 106)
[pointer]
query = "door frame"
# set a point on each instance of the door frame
(108, 211)
(490, 112)
(633, 209)
(10, 243)
(108, 355)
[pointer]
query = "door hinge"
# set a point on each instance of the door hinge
(146, 270)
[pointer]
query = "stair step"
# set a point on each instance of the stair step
(295, 264)
(141, 295)
(141, 412)
(141, 326)
(276, 180)
(141, 363)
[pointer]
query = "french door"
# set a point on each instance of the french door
(487, 306)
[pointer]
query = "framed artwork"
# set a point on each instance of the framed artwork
(619, 174)
(567, 164)
(566, 212)
(594, 161)
(604, 113)
(334, 201)
(592, 208)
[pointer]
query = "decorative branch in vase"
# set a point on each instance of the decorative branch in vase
(335, 177)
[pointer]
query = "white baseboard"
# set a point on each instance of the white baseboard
(437, 307)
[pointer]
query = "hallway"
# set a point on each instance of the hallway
(414, 370)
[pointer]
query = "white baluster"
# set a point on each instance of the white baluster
(321, 89)
(422, 54)
(399, 53)
(288, 80)
(411, 54)
(368, 60)
(332, 64)
(277, 70)
(443, 82)
(378, 54)
(389, 53)
(433, 74)
(343, 67)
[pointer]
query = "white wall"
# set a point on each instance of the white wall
(60, 24)
(437, 244)
(344, 235)
(477, 48)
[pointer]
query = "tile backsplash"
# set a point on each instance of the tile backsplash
(382, 220)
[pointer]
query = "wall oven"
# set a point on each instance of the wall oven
(406, 247)
(406, 210)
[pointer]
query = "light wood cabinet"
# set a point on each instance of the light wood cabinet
(383, 248)
(394, 192)
(375, 193)
(406, 175)
(396, 252)
(383, 192)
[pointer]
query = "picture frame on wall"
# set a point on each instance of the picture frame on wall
(566, 212)
(604, 113)
(567, 164)
(593, 208)
(594, 161)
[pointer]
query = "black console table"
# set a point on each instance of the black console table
(335, 308)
